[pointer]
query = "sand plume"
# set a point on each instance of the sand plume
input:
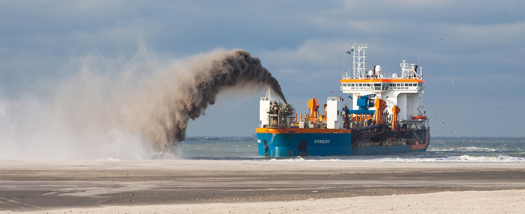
(123, 109)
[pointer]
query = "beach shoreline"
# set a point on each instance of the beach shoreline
(38, 186)
(500, 201)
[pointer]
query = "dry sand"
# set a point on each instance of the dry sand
(504, 201)
(207, 186)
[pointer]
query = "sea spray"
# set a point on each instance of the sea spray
(125, 110)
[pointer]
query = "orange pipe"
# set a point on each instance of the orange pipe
(313, 106)
(380, 105)
(395, 111)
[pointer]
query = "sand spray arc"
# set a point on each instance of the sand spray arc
(229, 69)
(125, 109)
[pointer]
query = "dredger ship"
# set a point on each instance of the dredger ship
(384, 115)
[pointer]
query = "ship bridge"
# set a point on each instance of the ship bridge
(404, 91)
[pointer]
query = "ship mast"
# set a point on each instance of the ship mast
(359, 58)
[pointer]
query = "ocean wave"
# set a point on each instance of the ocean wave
(462, 149)
(450, 159)
(455, 159)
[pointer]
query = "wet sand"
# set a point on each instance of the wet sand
(253, 186)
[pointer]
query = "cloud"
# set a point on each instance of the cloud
(289, 71)
(489, 35)
(298, 41)
(313, 52)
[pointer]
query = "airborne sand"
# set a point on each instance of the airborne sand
(134, 109)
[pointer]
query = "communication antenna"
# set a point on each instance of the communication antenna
(419, 63)
(344, 67)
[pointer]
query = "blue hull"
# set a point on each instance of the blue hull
(323, 144)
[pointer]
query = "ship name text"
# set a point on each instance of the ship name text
(322, 141)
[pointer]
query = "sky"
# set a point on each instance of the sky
(472, 51)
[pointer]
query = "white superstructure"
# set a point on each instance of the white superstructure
(332, 113)
(264, 108)
(404, 91)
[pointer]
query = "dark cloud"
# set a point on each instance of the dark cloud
(476, 43)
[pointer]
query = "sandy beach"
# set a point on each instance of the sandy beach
(282, 186)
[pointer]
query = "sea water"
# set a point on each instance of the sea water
(441, 149)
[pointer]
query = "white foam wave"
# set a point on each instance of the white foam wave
(462, 149)
(450, 159)
(455, 159)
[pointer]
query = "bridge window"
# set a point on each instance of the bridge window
(377, 86)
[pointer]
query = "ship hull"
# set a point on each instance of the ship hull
(298, 142)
